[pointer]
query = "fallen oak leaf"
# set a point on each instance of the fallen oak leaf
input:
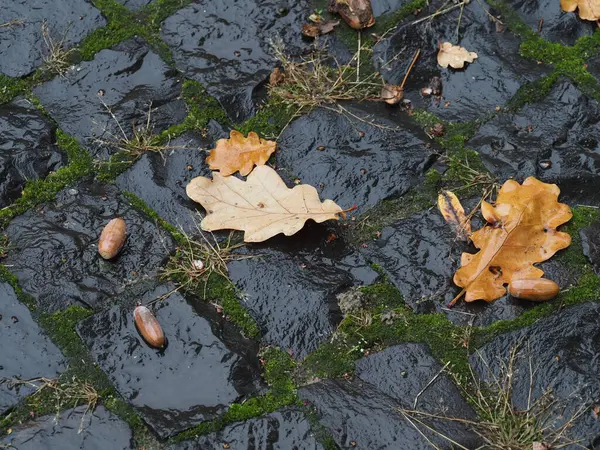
(454, 56)
(588, 9)
(239, 153)
(319, 28)
(454, 213)
(521, 231)
(262, 206)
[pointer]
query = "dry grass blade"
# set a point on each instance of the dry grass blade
(311, 81)
(501, 425)
(65, 394)
(198, 259)
(12, 23)
(58, 58)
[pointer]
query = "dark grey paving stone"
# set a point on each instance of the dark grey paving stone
(590, 240)
(27, 353)
(289, 286)
(22, 45)
(134, 5)
(160, 180)
(557, 25)
(469, 93)
(131, 79)
(101, 430)
(225, 45)
(355, 170)
(206, 365)
(28, 148)
(55, 253)
(563, 350)
(360, 416)
(556, 140)
(382, 7)
(282, 430)
(403, 371)
(420, 256)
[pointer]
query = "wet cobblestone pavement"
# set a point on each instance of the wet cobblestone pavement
(338, 337)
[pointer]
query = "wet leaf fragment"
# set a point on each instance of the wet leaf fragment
(239, 153)
(521, 232)
(319, 28)
(356, 13)
(588, 9)
(262, 206)
(454, 214)
(454, 56)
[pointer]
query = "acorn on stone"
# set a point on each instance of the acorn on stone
(112, 238)
(148, 327)
(534, 289)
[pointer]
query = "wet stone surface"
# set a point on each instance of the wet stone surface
(469, 93)
(27, 148)
(226, 46)
(129, 79)
(281, 430)
(590, 240)
(100, 430)
(360, 416)
(563, 350)
(22, 44)
(289, 286)
(55, 255)
(27, 353)
(557, 140)
(326, 150)
(402, 371)
(206, 365)
(546, 18)
(420, 255)
(160, 180)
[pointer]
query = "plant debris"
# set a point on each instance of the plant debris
(454, 56)
(239, 153)
(262, 206)
(454, 213)
(356, 13)
(319, 28)
(521, 231)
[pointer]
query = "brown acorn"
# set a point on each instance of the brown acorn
(534, 289)
(148, 327)
(112, 238)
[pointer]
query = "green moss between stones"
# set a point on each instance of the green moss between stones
(12, 87)
(39, 191)
(532, 92)
(270, 120)
(278, 367)
(156, 12)
(357, 337)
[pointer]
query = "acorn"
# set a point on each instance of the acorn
(534, 289)
(112, 238)
(392, 94)
(148, 327)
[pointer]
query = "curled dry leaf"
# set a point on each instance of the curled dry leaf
(454, 213)
(356, 13)
(276, 77)
(392, 94)
(239, 153)
(454, 56)
(262, 206)
(319, 28)
(521, 231)
(588, 9)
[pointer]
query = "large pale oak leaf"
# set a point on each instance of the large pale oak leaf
(262, 206)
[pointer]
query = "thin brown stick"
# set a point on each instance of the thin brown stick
(414, 60)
